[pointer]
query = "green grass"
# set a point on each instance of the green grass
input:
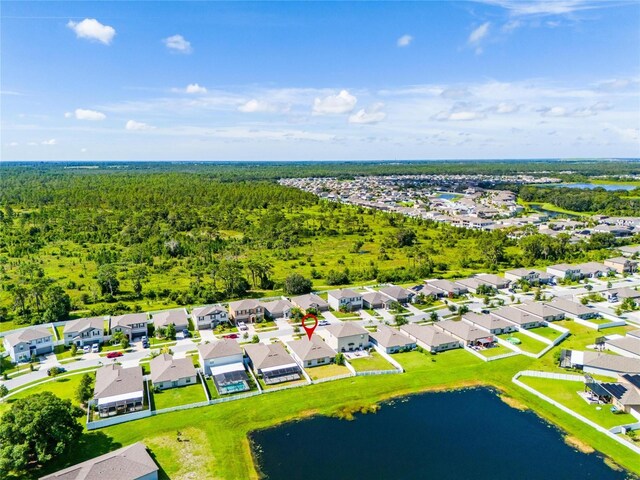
(161, 342)
(565, 392)
(546, 332)
(495, 351)
(338, 314)
(60, 332)
(211, 388)
(374, 361)
(326, 371)
(64, 387)
(600, 320)
(528, 344)
(173, 397)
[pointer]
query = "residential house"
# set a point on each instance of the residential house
(391, 340)
(472, 284)
(622, 264)
(489, 323)
(540, 309)
(209, 316)
(530, 275)
(623, 394)
(629, 250)
(447, 288)
(133, 325)
(597, 363)
(223, 360)
(467, 333)
(272, 363)
(27, 343)
(593, 269)
(278, 308)
(169, 372)
(628, 346)
(310, 301)
(373, 300)
(347, 337)
(311, 353)
(398, 294)
(84, 331)
(128, 463)
(178, 317)
(573, 308)
(622, 293)
(426, 290)
(496, 281)
(517, 317)
(615, 230)
(565, 271)
(430, 338)
(344, 299)
(118, 390)
(247, 310)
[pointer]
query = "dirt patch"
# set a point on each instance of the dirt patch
(578, 444)
(347, 413)
(513, 403)
(613, 465)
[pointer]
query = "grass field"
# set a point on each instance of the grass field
(565, 392)
(326, 371)
(374, 361)
(527, 344)
(546, 332)
(64, 387)
(495, 351)
(173, 397)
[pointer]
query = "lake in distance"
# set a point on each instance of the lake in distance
(463, 434)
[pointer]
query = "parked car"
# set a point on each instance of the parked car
(95, 348)
(56, 371)
(144, 339)
(231, 335)
(145, 344)
(324, 323)
(186, 333)
(86, 348)
(486, 312)
(114, 354)
(242, 326)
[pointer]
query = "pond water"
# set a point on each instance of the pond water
(448, 196)
(466, 434)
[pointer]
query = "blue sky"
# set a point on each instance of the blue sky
(311, 80)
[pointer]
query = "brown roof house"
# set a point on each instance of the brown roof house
(311, 353)
(272, 363)
(127, 463)
(169, 372)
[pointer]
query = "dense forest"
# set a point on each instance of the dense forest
(598, 200)
(76, 244)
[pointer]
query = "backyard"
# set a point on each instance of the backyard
(326, 371)
(173, 397)
(374, 361)
(527, 344)
(547, 332)
(496, 350)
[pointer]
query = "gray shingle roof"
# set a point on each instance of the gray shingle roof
(83, 323)
(128, 463)
(267, 356)
(428, 334)
(208, 310)
(313, 349)
(485, 321)
(246, 304)
(277, 307)
(346, 329)
(114, 380)
(390, 337)
(614, 363)
(514, 315)
(177, 316)
(344, 293)
(463, 330)
(309, 300)
(27, 335)
(128, 319)
(396, 292)
(538, 309)
(165, 368)
(225, 347)
(569, 306)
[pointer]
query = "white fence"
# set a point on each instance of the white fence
(336, 377)
(625, 428)
(128, 417)
(568, 410)
(555, 376)
(376, 372)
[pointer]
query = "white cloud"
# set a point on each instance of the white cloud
(506, 108)
(83, 150)
(195, 88)
(455, 93)
(545, 7)
(479, 33)
(404, 41)
(82, 114)
(49, 142)
(554, 112)
(257, 106)
(334, 104)
(459, 115)
(14, 144)
(133, 125)
(91, 29)
(372, 114)
(178, 44)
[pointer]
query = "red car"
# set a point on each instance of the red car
(114, 354)
(231, 335)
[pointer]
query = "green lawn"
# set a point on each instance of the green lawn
(527, 344)
(325, 371)
(433, 306)
(565, 392)
(600, 320)
(373, 313)
(211, 388)
(173, 397)
(546, 332)
(495, 351)
(374, 361)
(343, 315)
(64, 387)
(60, 332)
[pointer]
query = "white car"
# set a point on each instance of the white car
(95, 348)
(86, 349)
(242, 326)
